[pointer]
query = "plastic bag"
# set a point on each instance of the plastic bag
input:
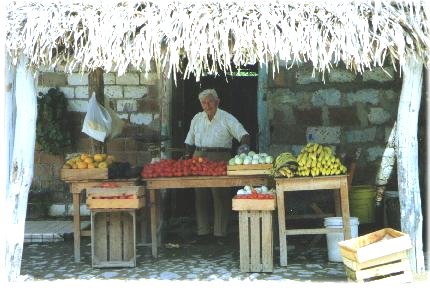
(97, 122)
(117, 123)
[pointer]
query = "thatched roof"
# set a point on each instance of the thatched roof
(210, 34)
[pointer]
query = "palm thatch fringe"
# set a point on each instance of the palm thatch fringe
(211, 35)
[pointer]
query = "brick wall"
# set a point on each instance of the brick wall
(134, 97)
(347, 111)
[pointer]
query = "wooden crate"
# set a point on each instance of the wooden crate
(125, 197)
(113, 238)
(83, 174)
(249, 169)
(380, 256)
(256, 241)
(244, 204)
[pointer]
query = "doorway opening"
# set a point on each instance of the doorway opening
(238, 96)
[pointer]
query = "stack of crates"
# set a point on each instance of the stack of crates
(113, 225)
(255, 233)
(380, 256)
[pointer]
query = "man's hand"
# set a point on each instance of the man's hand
(243, 148)
(185, 157)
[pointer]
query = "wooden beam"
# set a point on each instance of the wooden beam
(23, 117)
(407, 160)
(6, 125)
(263, 139)
(96, 85)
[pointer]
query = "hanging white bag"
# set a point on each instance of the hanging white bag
(97, 123)
(117, 123)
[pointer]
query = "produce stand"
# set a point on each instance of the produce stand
(255, 233)
(339, 183)
(155, 184)
(76, 187)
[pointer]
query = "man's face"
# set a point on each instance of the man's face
(209, 105)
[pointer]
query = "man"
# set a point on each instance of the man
(210, 135)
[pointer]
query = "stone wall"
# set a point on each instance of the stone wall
(346, 111)
(135, 98)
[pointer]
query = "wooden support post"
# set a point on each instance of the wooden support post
(21, 119)
(96, 85)
(407, 160)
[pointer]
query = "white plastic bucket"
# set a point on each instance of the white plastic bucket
(334, 237)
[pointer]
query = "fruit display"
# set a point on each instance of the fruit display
(196, 166)
(87, 161)
(249, 192)
(316, 160)
(285, 165)
(251, 158)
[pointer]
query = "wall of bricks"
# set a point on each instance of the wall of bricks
(347, 111)
(134, 96)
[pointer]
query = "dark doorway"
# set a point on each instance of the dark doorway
(238, 96)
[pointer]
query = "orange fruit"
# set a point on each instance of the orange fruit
(88, 160)
(91, 166)
(82, 165)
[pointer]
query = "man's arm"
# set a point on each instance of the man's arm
(245, 141)
(189, 150)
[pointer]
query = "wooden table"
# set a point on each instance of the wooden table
(154, 184)
(76, 187)
(337, 183)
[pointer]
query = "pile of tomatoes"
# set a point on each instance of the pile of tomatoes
(254, 196)
(196, 166)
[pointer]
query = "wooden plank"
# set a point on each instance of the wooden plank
(79, 186)
(266, 241)
(130, 203)
(344, 205)
(154, 222)
(244, 230)
(243, 204)
(374, 245)
(115, 236)
(99, 229)
(255, 241)
(354, 265)
(83, 174)
(282, 229)
(311, 231)
(205, 181)
(116, 191)
(249, 167)
(310, 183)
(382, 270)
(114, 264)
(249, 172)
(129, 235)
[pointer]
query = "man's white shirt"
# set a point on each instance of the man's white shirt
(216, 133)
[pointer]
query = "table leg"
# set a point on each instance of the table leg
(282, 229)
(77, 226)
(336, 200)
(154, 222)
(344, 201)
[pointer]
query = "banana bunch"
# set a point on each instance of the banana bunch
(315, 160)
(285, 165)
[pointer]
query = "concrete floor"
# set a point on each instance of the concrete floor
(179, 260)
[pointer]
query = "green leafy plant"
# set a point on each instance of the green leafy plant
(52, 126)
